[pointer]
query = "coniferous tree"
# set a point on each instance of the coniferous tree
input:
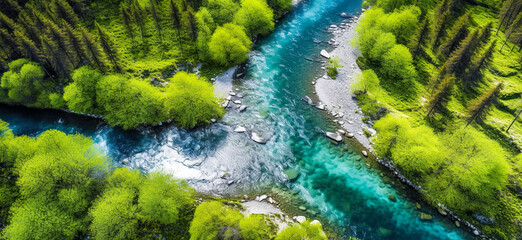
(138, 14)
(75, 42)
(57, 59)
(441, 96)
(29, 27)
(108, 47)
(8, 45)
(190, 22)
(456, 34)
(156, 17)
(479, 107)
(58, 38)
(510, 9)
(62, 9)
(127, 20)
(482, 37)
(91, 48)
(28, 48)
(420, 38)
(514, 31)
(6, 23)
(474, 75)
(460, 58)
(176, 20)
(36, 16)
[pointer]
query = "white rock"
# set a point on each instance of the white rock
(320, 106)
(300, 219)
(232, 94)
(341, 131)
(240, 129)
(213, 120)
(229, 98)
(258, 139)
(325, 54)
(225, 104)
(341, 122)
(334, 136)
(242, 108)
(315, 222)
(340, 114)
(237, 102)
(364, 153)
(262, 197)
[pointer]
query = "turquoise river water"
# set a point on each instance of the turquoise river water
(331, 180)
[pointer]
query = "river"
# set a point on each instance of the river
(332, 177)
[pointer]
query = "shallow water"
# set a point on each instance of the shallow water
(332, 180)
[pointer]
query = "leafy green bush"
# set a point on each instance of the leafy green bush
(303, 231)
(331, 69)
(212, 219)
(229, 45)
(257, 227)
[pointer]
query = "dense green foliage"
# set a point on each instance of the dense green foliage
(71, 59)
(331, 68)
(60, 186)
(443, 56)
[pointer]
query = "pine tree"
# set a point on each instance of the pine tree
(29, 27)
(6, 23)
(125, 16)
(30, 51)
(58, 38)
(460, 58)
(420, 38)
(57, 60)
(75, 43)
(8, 45)
(62, 9)
(156, 17)
(190, 22)
(457, 33)
(474, 75)
(138, 14)
(514, 30)
(108, 47)
(91, 48)
(176, 20)
(479, 107)
(508, 13)
(441, 96)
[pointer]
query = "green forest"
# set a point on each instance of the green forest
(68, 187)
(448, 74)
(115, 58)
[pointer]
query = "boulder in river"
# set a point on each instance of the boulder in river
(320, 106)
(315, 222)
(258, 139)
(237, 102)
(364, 153)
(242, 108)
(442, 211)
(240, 129)
(425, 217)
(325, 54)
(308, 100)
(350, 135)
(334, 136)
(392, 197)
(292, 174)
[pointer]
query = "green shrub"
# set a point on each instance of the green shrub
(331, 69)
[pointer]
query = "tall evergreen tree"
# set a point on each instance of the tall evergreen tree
(11, 8)
(510, 9)
(28, 48)
(29, 27)
(441, 96)
(191, 25)
(62, 9)
(474, 74)
(108, 47)
(514, 32)
(176, 20)
(156, 17)
(479, 107)
(460, 58)
(127, 20)
(6, 23)
(420, 38)
(138, 14)
(57, 59)
(92, 49)
(457, 33)
(58, 38)
(8, 45)
(75, 43)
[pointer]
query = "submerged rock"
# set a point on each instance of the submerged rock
(425, 217)
(308, 100)
(334, 136)
(418, 206)
(302, 208)
(292, 174)
(384, 232)
(392, 197)
(457, 223)
(325, 54)
(364, 153)
(442, 212)
(258, 139)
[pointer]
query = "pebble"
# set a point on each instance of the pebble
(237, 102)
(364, 153)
